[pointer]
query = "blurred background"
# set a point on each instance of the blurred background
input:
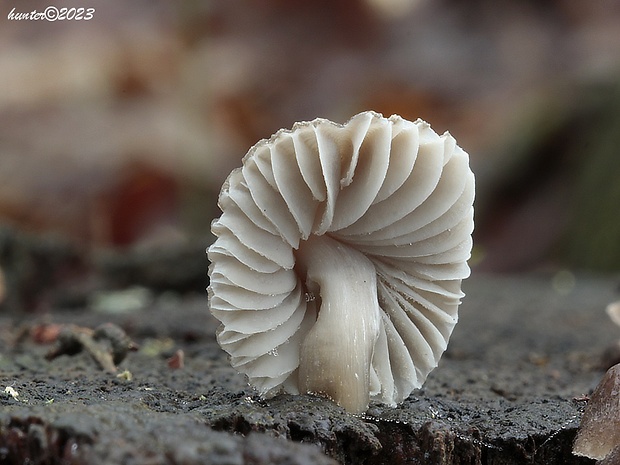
(116, 133)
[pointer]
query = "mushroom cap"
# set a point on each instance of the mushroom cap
(392, 190)
(613, 311)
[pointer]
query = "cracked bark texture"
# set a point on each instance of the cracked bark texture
(503, 393)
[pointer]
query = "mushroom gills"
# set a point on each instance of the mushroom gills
(339, 256)
(336, 354)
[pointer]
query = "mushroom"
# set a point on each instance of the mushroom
(611, 354)
(613, 312)
(339, 257)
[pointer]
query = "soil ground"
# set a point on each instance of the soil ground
(507, 391)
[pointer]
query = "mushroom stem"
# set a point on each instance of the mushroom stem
(336, 355)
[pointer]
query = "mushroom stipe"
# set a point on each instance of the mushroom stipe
(339, 257)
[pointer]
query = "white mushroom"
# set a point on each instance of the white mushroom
(613, 311)
(339, 257)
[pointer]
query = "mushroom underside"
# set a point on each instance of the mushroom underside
(339, 258)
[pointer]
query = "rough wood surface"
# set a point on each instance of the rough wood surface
(504, 393)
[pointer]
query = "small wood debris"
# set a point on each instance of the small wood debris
(45, 333)
(107, 344)
(599, 431)
(9, 390)
(177, 361)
